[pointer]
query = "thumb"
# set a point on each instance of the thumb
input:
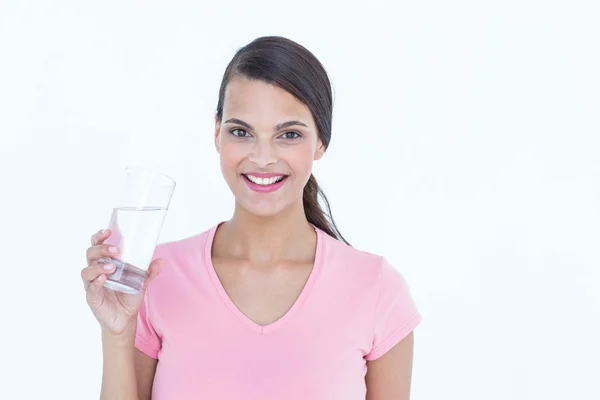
(155, 268)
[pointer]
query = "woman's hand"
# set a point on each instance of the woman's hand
(115, 311)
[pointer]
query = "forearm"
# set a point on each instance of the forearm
(118, 374)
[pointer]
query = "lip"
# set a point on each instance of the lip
(255, 187)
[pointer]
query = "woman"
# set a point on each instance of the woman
(272, 304)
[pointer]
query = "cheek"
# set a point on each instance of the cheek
(231, 156)
(300, 159)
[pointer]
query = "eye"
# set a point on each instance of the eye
(291, 135)
(240, 133)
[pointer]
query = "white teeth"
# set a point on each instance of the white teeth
(264, 181)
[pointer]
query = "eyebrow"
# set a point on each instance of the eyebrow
(280, 126)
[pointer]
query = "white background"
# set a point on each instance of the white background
(465, 149)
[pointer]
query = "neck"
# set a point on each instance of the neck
(285, 236)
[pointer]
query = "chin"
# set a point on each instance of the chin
(264, 210)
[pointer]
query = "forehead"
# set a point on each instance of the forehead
(258, 100)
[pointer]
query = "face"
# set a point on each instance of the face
(267, 141)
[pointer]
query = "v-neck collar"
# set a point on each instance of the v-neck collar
(261, 329)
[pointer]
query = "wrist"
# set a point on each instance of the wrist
(124, 338)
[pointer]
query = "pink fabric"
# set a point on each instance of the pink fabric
(354, 308)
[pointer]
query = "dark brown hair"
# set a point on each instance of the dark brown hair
(288, 65)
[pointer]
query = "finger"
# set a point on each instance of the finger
(99, 237)
(95, 289)
(155, 268)
(95, 253)
(92, 272)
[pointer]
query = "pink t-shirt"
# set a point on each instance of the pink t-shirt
(354, 308)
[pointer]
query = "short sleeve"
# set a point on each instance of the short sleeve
(146, 338)
(396, 314)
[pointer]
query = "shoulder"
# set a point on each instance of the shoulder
(374, 289)
(360, 275)
(181, 259)
(362, 263)
(372, 272)
(379, 289)
(180, 249)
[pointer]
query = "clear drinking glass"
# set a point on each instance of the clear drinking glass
(135, 226)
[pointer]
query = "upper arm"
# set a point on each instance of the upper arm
(145, 368)
(389, 377)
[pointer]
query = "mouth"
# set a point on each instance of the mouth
(265, 183)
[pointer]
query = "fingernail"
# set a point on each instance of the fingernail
(103, 231)
(108, 267)
(112, 249)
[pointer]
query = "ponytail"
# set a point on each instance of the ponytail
(315, 214)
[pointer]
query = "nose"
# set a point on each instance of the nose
(263, 154)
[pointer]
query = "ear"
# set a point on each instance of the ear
(217, 134)
(320, 150)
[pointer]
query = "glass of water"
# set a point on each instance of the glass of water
(135, 226)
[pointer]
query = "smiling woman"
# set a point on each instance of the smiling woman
(273, 303)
